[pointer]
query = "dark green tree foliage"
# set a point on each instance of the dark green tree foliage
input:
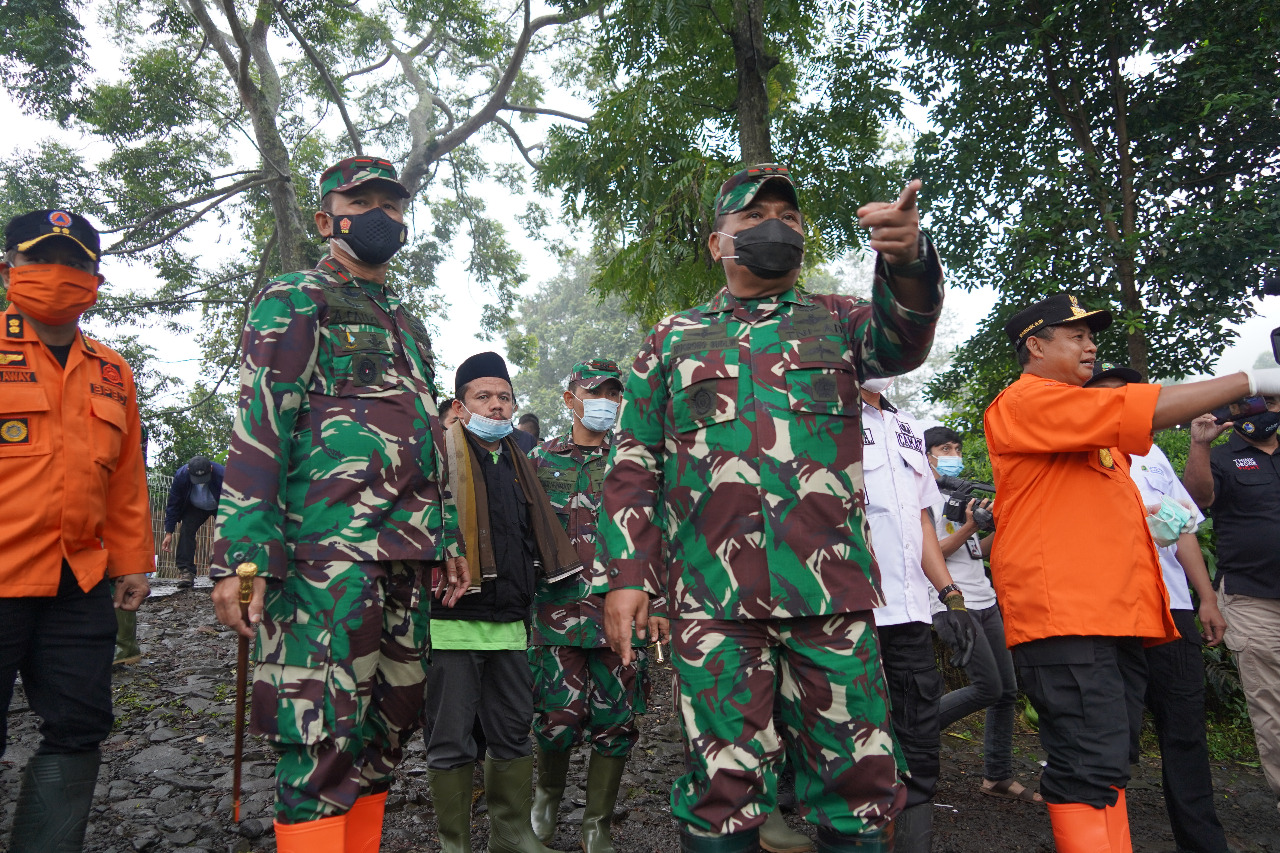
(43, 55)
(564, 323)
(228, 110)
(1126, 152)
(684, 92)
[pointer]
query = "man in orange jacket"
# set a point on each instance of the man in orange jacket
(73, 513)
(1078, 609)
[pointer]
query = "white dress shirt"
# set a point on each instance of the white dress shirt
(899, 484)
(1155, 478)
(966, 566)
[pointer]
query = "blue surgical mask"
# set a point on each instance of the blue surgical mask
(949, 466)
(488, 429)
(598, 415)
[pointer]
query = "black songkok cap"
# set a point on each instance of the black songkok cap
(1052, 311)
(482, 365)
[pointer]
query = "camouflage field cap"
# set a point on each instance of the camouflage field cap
(28, 229)
(347, 173)
(737, 192)
(593, 373)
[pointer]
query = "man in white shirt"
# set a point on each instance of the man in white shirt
(992, 682)
(1175, 680)
(900, 492)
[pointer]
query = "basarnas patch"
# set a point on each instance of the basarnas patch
(15, 431)
(111, 373)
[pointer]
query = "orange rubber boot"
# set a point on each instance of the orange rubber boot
(1079, 828)
(364, 824)
(327, 835)
(1118, 825)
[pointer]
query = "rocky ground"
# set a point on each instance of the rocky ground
(166, 780)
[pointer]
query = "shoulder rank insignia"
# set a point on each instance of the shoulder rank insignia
(1104, 456)
(13, 326)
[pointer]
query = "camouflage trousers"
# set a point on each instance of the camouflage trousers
(338, 686)
(833, 707)
(577, 690)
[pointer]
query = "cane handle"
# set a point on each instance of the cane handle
(246, 572)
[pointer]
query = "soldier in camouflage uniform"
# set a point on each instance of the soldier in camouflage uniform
(579, 683)
(735, 490)
(333, 488)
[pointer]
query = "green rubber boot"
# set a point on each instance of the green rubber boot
(553, 767)
(509, 788)
(451, 797)
(53, 805)
(127, 651)
(604, 775)
(747, 841)
(871, 841)
(777, 837)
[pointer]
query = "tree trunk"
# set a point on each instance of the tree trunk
(753, 66)
(1126, 261)
(290, 228)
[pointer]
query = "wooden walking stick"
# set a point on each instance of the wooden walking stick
(246, 572)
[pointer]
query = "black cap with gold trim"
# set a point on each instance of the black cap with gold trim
(1052, 311)
(28, 229)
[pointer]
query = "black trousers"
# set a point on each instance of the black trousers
(1088, 692)
(192, 518)
(461, 685)
(915, 688)
(63, 645)
(1175, 695)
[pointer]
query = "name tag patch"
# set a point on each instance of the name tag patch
(909, 441)
(17, 376)
(1247, 464)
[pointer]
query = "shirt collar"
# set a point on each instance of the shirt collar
(726, 301)
(15, 322)
(885, 405)
(564, 444)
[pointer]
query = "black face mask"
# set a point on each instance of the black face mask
(1259, 427)
(770, 249)
(372, 236)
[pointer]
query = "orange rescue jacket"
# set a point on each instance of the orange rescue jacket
(1072, 555)
(73, 483)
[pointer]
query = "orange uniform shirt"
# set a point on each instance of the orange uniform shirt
(1072, 555)
(72, 479)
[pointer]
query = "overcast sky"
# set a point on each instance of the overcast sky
(456, 336)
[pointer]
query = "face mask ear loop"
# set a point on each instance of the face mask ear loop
(735, 243)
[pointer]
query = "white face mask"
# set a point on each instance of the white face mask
(598, 414)
(877, 386)
(487, 429)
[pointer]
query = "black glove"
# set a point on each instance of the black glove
(956, 628)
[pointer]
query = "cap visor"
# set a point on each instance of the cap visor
(1097, 320)
(22, 247)
(401, 191)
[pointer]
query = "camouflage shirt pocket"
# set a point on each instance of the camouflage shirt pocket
(708, 401)
(823, 391)
(363, 365)
(292, 689)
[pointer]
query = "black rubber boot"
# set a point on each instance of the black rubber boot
(509, 787)
(604, 775)
(872, 841)
(747, 841)
(915, 829)
(53, 805)
(553, 767)
(451, 798)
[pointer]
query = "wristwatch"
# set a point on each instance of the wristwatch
(948, 590)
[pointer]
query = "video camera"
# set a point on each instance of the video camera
(1271, 287)
(959, 492)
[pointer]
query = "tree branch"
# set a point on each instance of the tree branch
(255, 179)
(191, 220)
(515, 137)
(544, 111)
(244, 316)
(316, 63)
(426, 149)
